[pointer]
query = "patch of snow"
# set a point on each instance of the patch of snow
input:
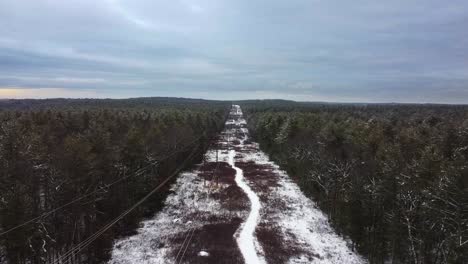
(203, 254)
(246, 239)
(301, 221)
(155, 239)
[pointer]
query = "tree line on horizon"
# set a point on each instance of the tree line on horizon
(391, 178)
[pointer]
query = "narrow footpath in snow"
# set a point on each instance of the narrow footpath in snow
(236, 207)
(246, 240)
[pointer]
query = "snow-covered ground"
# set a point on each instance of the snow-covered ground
(241, 209)
(246, 240)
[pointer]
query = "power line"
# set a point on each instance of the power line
(79, 198)
(209, 187)
(183, 244)
(192, 229)
(190, 233)
(80, 246)
(88, 241)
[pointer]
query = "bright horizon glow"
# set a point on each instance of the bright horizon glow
(45, 93)
(51, 93)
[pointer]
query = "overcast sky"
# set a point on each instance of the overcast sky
(315, 50)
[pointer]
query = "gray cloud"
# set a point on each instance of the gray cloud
(302, 49)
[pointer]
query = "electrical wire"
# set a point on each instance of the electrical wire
(79, 198)
(80, 246)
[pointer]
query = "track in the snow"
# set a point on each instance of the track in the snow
(246, 239)
(251, 212)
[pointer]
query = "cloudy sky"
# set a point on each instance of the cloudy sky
(308, 50)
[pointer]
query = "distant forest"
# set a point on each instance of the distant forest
(68, 167)
(392, 178)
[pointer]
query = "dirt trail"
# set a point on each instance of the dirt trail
(237, 207)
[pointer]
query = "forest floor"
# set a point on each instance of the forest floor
(235, 207)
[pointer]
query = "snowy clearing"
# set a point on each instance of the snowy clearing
(236, 207)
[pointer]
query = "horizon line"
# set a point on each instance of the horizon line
(238, 100)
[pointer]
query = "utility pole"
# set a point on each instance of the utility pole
(203, 166)
(216, 166)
